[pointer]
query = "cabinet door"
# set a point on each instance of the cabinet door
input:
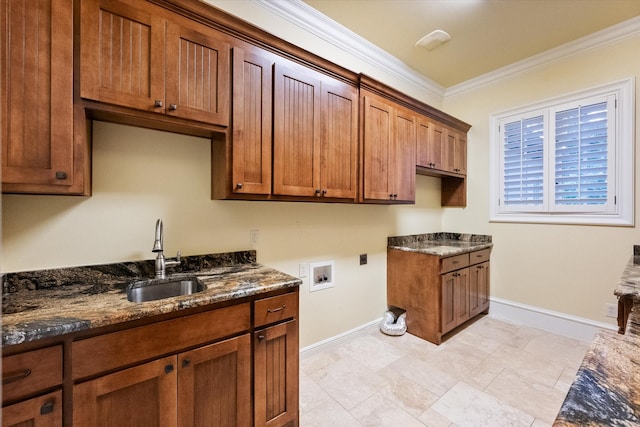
(456, 152)
(339, 140)
(252, 114)
(377, 141)
(403, 156)
(455, 299)
(479, 288)
(43, 411)
(430, 144)
(141, 396)
(276, 375)
(214, 384)
(197, 75)
(36, 93)
(296, 133)
(122, 54)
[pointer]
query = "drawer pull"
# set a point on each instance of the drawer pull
(168, 369)
(14, 376)
(260, 337)
(47, 408)
(186, 363)
(455, 262)
(275, 310)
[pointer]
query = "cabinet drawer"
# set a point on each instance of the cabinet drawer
(479, 256)
(454, 263)
(28, 373)
(118, 349)
(275, 309)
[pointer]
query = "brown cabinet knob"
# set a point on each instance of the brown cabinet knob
(186, 363)
(173, 107)
(239, 186)
(61, 175)
(157, 103)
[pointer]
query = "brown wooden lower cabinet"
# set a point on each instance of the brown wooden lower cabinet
(225, 367)
(43, 411)
(276, 375)
(208, 386)
(438, 294)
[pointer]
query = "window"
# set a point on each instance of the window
(567, 160)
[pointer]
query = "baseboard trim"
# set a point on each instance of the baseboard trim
(338, 339)
(536, 317)
(552, 321)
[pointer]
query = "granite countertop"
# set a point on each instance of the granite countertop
(606, 388)
(49, 303)
(440, 244)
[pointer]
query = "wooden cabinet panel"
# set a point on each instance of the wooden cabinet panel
(275, 309)
(122, 54)
(296, 136)
(389, 152)
(479, 288)
(214, 384)
(142, 396)
(339, 140)
(430, 144)
(197, 74)
(43, 411)
(456, 152)
(94, 355)
(276, 375)
(252, 113)
(39, 152)
(455, 299)
(31, 372)
(377, 136)
(403, 160)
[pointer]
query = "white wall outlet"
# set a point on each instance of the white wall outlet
(254, 238)
(611, 310)
(322, 275)
(303, 270)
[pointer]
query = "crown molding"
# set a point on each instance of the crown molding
(312, 21)
(321, 26)
(610, 35)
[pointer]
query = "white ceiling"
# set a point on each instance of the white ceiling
(485, 34)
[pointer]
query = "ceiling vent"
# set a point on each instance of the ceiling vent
(433, 40)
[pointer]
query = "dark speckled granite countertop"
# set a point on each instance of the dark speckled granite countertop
(606, 390)
(49, 303)
(440, 244)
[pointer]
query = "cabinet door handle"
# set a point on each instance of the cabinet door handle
(186, 363)
(157, 103)
(10, 377)
(275, 310)
(168, 369)
(260, 337)
(239, 186)
(47, 408)
(61, 175)
(173, 107)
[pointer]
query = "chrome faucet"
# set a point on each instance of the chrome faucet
(161, 262)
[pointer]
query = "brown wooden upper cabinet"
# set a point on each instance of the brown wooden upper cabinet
(441, 148)
(389, 151)
(44, 141)
(294, 132)
(137, 55)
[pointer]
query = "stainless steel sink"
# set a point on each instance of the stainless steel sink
(155, 289)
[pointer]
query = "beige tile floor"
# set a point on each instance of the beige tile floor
(492, 373)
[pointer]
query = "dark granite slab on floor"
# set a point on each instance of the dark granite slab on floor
(49, 303)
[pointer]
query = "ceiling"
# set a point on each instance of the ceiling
(485, 34)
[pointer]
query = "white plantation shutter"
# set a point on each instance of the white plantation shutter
(523, 163)
(566, 160)
(582, 157)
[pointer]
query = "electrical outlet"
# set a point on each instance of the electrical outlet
(363, 259)
(304, 270)
(254, 237)
(611, 310)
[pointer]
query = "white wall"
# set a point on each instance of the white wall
(568, 269)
